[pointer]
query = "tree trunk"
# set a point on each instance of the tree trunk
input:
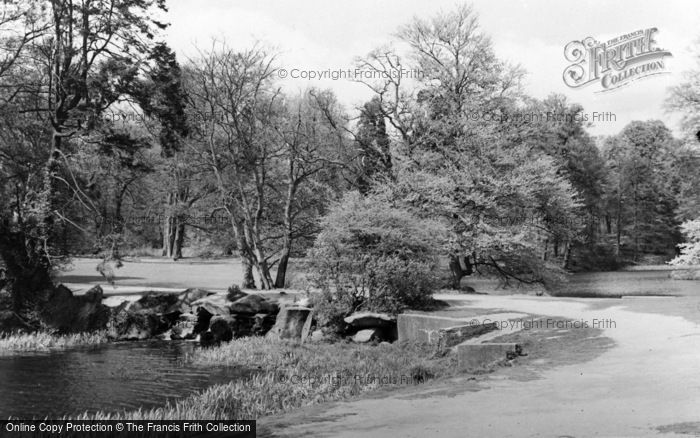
(169, 230)
(287, 243)
(460, 267)
(263, 271)
(28, 268)
(178, 239)
(281, 277)
(244, 254)
(567, 255)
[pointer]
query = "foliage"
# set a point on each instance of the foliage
(690, 251)
(642, 190)
(373, 255)
(45, 341)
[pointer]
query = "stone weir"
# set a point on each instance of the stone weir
(470, 337)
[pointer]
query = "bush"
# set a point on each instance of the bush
(372, 255)
(690, 251)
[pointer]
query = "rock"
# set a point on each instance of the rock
(467, 290)
(474, 357)
(10, 322)
(253, 304)
(155, 302)
(68, 313)
(366, 335)
(186, 298)
(292, 323)
(206, 339)
(189, 296)
(184, 328)
(450, 336)
(214, 304)
(363, 320)
(234, 293)
(317, 336)
(222, 328)
(263, 323)
(126, 325)
(203, 320)
(304, 302)
(166, 336)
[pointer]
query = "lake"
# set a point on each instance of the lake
(110, 377)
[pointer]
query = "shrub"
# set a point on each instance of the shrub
(375, 256)
(690, 251)
(234, 292)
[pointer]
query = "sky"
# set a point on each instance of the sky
(316, 35)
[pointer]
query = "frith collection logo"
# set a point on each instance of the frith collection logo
(614, 63)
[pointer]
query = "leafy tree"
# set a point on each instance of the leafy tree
(77, 64)
(690, 251)
(374, 143)
(268, 156)
(374, 255)
(642, 197)
(469, 170)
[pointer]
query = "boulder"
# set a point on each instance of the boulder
(252, 305)
(292, 323)
(186, 298)
(234, 293)
(214, 304)
(317, 336)
(68, 313)
(364, 320)
(184, 328)
(203, 320)
(126, 325)
(262, 324)
(10, 322)
(222, 328)
(155, 302)
(206, 339)
(366, 335)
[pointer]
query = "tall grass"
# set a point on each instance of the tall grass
(288, 376)
(46, 341)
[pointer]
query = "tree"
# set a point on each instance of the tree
(77, 65)
(312, 143)
(557, 128)
(690, 251)
(642, 195)
(466, 169)
(374, 255)
(162, 97)
(268, 155)
(374, 144)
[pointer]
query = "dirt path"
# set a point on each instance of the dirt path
(650, 379)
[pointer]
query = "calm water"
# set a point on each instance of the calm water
(115, 377)
(648, 282)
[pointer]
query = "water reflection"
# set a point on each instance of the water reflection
(114, 377)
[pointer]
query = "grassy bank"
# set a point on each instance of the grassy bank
(287, 376)
(46, 341)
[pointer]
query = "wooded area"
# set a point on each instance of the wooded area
(110, 144)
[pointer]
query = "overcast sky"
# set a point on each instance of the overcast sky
(322, 34)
